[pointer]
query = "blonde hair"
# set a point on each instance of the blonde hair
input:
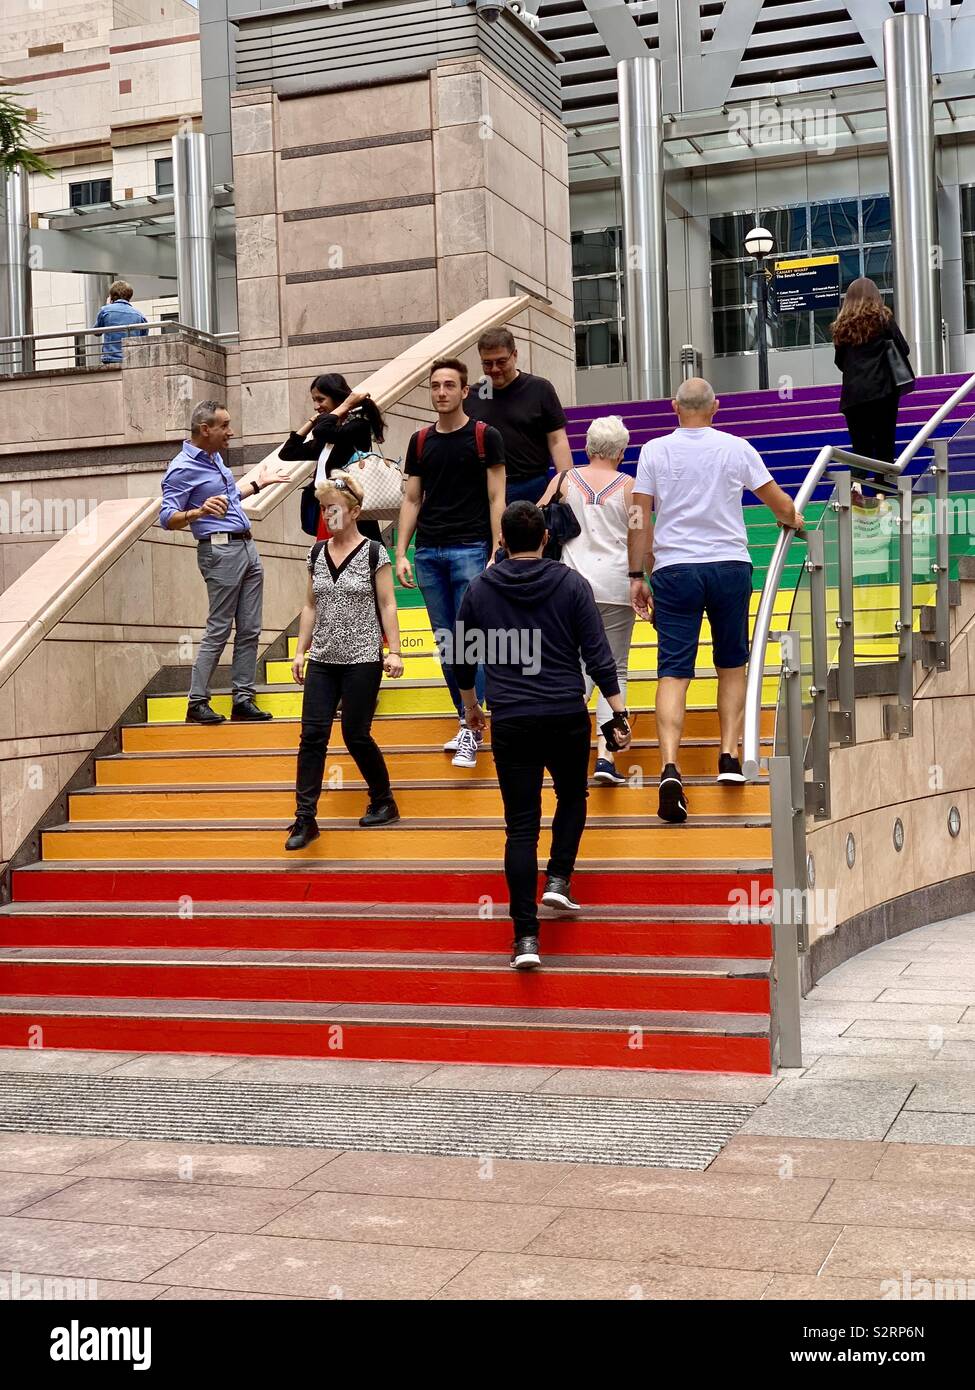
(606, 437)
(340, 487)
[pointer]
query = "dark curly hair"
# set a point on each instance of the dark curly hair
(334, 385)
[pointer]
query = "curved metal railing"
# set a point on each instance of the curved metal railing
(828, 455)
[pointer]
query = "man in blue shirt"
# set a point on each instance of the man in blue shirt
(199, 491)
(118, 310)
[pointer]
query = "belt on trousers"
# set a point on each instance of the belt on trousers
(231, 535)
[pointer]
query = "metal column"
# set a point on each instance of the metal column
(913, 201)
(16, 316)
(89, 345)
(644, 228)
(196, 254)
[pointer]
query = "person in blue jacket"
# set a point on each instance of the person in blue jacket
(117, 311)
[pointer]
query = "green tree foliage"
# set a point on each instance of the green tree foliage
(16, 128)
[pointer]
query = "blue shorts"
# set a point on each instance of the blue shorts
(682, 594)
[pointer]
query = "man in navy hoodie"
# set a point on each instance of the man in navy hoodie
(533, 623)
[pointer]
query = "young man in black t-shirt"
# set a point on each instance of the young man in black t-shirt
(527, 411)
(454, 499)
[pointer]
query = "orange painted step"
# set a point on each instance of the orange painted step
(437, 803)
(256, 765)
(398, 842)
(391, 731)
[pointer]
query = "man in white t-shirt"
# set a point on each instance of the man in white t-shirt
(696, 552)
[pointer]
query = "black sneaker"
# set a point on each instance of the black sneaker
(304, 830)
(673, 804)
(384, 812)
(201, 712)
(246, 711)
(557, 894)
(729, 769)
(524, 953)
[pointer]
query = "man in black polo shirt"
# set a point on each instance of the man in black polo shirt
(527, 411)
(453, 501)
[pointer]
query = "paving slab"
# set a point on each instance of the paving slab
(89, 1250)
(485, 1179)
(165, 1065)
(714, 1242)
(205, 1206)
(234, 1164)
(928, 1165)
(799, 1158)
(295, 1267)
(877, 1203)
(328, 1071)
(927, 1127)
(893, 1253)
(476, 1078)
(538, 1277)
(713, 1193)
(830, 1110)
(50, 1153)
(413, 1221)
(19, 1190)
(64, 1062)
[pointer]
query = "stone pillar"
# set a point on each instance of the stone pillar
(913, 197)
(644, 228)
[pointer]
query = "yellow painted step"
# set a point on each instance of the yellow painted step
(396, 698)
(437, 803)
(187, 768)
(398, 731)
(398, 843)
(643, 661)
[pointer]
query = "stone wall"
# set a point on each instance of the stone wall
(367, 217)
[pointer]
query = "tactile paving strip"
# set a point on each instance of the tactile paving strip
(655, 1133)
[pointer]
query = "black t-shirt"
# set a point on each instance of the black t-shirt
(526, 411)
(455, 509)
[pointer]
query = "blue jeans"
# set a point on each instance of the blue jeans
(443, 574)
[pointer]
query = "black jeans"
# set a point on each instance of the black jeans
(357, 687)
(523, 749)
(873, 427)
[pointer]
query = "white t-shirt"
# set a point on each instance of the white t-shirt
(696, 478)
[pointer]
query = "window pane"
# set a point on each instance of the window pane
(834, 224)
(789, 227)
(822, 318)
(164, 176)
(970, 308)
(597, 345)
(728, 235)
(878, 265)
(849, 269)
(732, 283)
(731, 331)
(876, 219)
(968, 209)
(596, 299)
(968, 256)
(593, 253)
(789, 330)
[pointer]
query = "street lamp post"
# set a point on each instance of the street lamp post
(759, 243)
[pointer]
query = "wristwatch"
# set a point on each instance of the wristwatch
(636, 574)
(256, 486)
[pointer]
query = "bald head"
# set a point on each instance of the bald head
(695, 401)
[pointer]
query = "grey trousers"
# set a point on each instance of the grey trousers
(235, 585)
(618, 620)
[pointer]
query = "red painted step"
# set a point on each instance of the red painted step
(329, 929)
(626, 983)
(374, 883)
(518, 1038)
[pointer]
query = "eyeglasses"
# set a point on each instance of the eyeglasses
(487, 362)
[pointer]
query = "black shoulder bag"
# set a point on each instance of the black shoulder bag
(561, 523)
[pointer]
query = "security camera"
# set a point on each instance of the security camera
(489, 9)
(524, 14)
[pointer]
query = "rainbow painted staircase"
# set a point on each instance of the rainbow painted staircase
(164, 914)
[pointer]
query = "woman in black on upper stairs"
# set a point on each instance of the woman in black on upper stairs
(862, 332)
(347, 420)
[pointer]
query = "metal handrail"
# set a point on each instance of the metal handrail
(828, 455)
(167, 326)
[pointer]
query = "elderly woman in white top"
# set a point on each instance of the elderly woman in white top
(600, 496)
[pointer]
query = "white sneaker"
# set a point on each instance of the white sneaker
(466, 755)
(451, 745)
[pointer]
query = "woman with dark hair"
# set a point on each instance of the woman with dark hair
(862, 332)
(347, 420)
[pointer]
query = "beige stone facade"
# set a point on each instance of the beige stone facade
(366, 218)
